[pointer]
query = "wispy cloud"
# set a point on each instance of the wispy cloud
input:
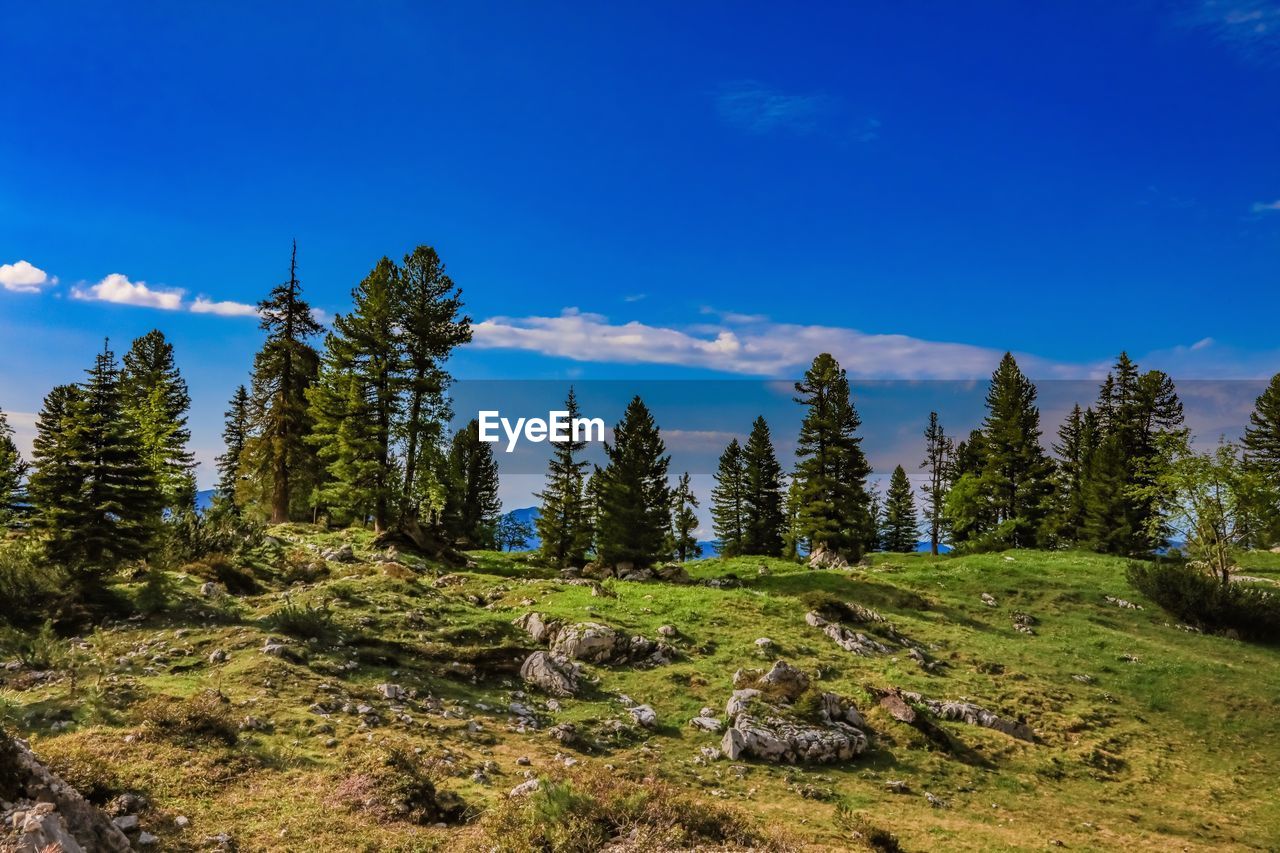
(23, 277)
(1266, 206)
(116, 288)
(749, 345)
(202, 305)
(756, 108)
(1250, 27)
(634, 297)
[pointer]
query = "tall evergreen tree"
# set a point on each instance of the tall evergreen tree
(1016, 476)
(901, 523)
(762, 494)
(563, 523)
(1077, 441)
(278, 463)
(635, 499)
(938, 463)
(684, 521)
(1107, 521)
(235, 432)
(155, 396)
(472, 506)
(728, 501)
(832, 469)
(1262, 436)
(96, 495)
(431, 325)
(355, 404)
(876, 511)
(13, 474)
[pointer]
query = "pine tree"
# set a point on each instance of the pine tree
(832, 469)
(901, 524)
(472, 506)
(684, 521)
(728, 501)
(431, 326)
(355, 405)
(235, 433)
(1107, 524)
(762, 494)
(155, 396)
(875, 509)
(1077, 441)
(96, 495)
(563, 524)
(279, 466)
(13, 473)
(1016, 476)
(634, 497)
(938, 463)
(1262, 436)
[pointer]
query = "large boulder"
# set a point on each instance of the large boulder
(553, 674)
(778, 740)
(822, 558)
(785, 680)
(46, 812)
(541, 629)
(587, 641)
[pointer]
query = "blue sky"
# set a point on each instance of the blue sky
(650, 191)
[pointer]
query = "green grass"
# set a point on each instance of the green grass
(1173, 751)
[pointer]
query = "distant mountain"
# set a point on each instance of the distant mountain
(529, 515)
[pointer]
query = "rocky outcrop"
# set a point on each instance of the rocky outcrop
(551, 674)
(821, 558)
(592, 642)
(974, 715)
(47, 813)
(780, 740)
(851, 641)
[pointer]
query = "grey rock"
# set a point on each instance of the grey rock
(553, 674)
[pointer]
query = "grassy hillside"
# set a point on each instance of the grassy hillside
(1149, 736)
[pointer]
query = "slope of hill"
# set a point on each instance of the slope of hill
(273, 717)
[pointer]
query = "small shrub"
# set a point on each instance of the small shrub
(1198, 598)
(96, 777)
(41, 649)
(157, 589)
(26, 578)
(396, 784)
(301, 620)
(220, 568)
(864, 833)
(204, 716)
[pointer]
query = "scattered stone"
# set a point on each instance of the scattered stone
(974, 715)
(936, 802)
(896, 786)
(1122, 603)
(707, 724)
(778, 740)
(565, 733)
(764, 646)
(218, 656)
(1084, 679)
(341, 554)
(740, 701)
(851, 641)
(524, 789)
(209, 589)
(182, 821)
(394, 692)
(786, 680)
(988, 599)
(645, 716)
(667, 630)
(146, 839)
(897, 706)
(524, 761)
(1127, 658)
(821, 558)
(1022, 622)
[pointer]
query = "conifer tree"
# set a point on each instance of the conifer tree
(235, 432)
(762, 494)
(96, 495)
(634, 511)
(1262, 436)
(832, 469)
(1107, 522)
(472, 506)
(279, 466)
(431, 325)
(155, 396)
(563, 523)
(939, 451)
(901, 524)
(876, 511)
(728, 501)
(13, 473)
(355, 405)
(1077, 441)
(684, 521)
(1016, 475)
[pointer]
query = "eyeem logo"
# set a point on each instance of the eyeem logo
(558, 427)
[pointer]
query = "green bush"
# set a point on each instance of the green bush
(205, 716)
(39, 649)
(36, 589)
(1200, 599)
(395, 783)
(302, 621)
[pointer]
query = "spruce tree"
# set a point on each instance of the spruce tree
(431, 325)
(96, 496)
(279, 466)
(1262, 436)
(634, 497)
(1107, 522)
(355, 405)
(762, 497)
(939, 451)
(13, 473)
(472, 506)
(1016, 475)
(1077, 441)
(235, 432)
(155, 396)
(728, 501)
(684, 521)
(563, 523)
(875, 508)
(832, 469)
(901, 524)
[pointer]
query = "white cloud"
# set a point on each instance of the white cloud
(1266, 206)
(755, 347)
(1250, 27)
(321, 316)
(23, 277)
(118, 289)
(757, 108)
(203, 305)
